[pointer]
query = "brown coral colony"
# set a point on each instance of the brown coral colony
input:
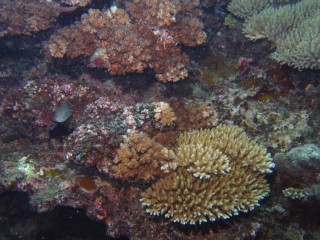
(145, 34)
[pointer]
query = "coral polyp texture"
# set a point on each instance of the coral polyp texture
(164, 113)
(221, 173)
(145, 34)
(25, 17)
(142, 159)
(294, 28)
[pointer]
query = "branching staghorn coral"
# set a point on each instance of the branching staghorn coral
(220, 173)
(294, 28)
(134, 38)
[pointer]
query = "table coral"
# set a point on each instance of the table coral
(134, 38)
(232, 184)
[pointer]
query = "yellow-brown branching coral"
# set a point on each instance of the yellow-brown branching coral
(141, 159)
(220, 173)
(199, 155)
(143, 34)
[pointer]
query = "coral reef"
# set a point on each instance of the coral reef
(78, 139)
(26, 17)
(34, 104)
(203, 115)
(294, 28)
(220, 174)
(286, 130)
(301, 167)
(247, 8)
(141, 159)
(130, 40)
(300, 163)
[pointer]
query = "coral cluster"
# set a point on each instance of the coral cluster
(247, 8)
(164, 113)
(141, 159)
(220, 173)
(99, 144)
(105, 121)
(204, 115)
(285, 130)
(294, 193)
(294, 28)
(134, 38)
(96, 139)
(26, 17)
(198, 153)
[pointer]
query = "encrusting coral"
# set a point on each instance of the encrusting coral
(134, 38)
(220, 173)
(294, 28)
(141, 159)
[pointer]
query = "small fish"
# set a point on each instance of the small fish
(62, 113)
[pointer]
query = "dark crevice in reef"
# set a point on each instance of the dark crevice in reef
(18, 221)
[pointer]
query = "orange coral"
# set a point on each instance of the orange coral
(144, 34)
(26, 16)
(141, 159)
